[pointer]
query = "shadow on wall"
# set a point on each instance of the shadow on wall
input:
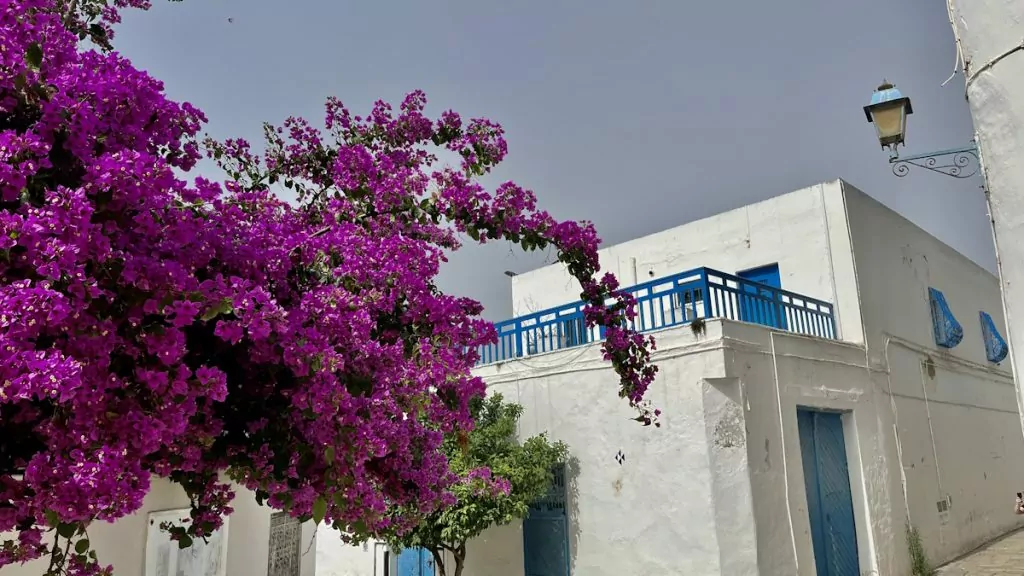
(572, 469)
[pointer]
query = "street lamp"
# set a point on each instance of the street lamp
(888, 111)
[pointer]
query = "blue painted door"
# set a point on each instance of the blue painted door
(763, 306)
(415, 562)
(829, 502)
(545, 532)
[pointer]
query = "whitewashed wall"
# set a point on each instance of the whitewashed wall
(803, 231)
(723, 478)
(658, 512)
(123, 544)
(777, 373)
(336, 558)
(957, 412)
(718, 490)
(896, 262)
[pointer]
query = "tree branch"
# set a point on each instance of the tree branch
(72, 6)
(316, 234)
(439, 561)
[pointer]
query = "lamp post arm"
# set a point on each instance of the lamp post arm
(960, 162)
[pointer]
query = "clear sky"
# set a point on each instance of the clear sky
(637, 115)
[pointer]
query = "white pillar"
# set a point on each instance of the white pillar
(990, 34)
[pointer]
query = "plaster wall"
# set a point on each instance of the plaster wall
(896, 262)
(719, 489)
(803, 231)
(957, 413)
(123, 544)
(989, 34)
(724, 492)
(960, 439)
(336, 558)
(779, 372)
(657, 512)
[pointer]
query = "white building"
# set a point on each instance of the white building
(805, 421)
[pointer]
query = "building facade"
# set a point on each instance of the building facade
(830, 375)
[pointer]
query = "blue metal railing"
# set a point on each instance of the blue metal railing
(672, 301)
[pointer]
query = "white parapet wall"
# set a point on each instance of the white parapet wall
(804, 232)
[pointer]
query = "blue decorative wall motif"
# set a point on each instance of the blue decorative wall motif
(948, 332)
(995, 347)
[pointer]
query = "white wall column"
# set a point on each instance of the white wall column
(990, 35)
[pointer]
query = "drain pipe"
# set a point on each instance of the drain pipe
(896, 428)
(935, 451)
(782, 435)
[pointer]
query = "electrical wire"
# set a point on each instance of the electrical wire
(973, 75)
(959, 44)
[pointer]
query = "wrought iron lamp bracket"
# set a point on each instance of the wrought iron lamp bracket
(956, 162)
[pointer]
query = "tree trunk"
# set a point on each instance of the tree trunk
(438, 561)
(460, 558)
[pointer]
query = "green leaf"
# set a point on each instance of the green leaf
(82, 546)
(225, 306)
(329, 455)
(66, 530)
(319, 509)
(98, 33)
(184, 542)
(34, 55)
(52, 519)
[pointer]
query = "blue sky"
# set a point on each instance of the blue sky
(637, 115)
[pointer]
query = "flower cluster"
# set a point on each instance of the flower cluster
(209, 331)
(483, 484)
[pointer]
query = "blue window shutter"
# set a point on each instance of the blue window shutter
(995, 347)
(948, 332)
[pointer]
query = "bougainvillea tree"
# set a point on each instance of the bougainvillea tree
(204, 331)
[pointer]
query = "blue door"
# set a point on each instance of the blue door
(829, 503)
(763, 306)
(545, 533)
(415, 562)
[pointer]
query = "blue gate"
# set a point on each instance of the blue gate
(829, 502)
(415, 562)
(545, 532)
(762, 307)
